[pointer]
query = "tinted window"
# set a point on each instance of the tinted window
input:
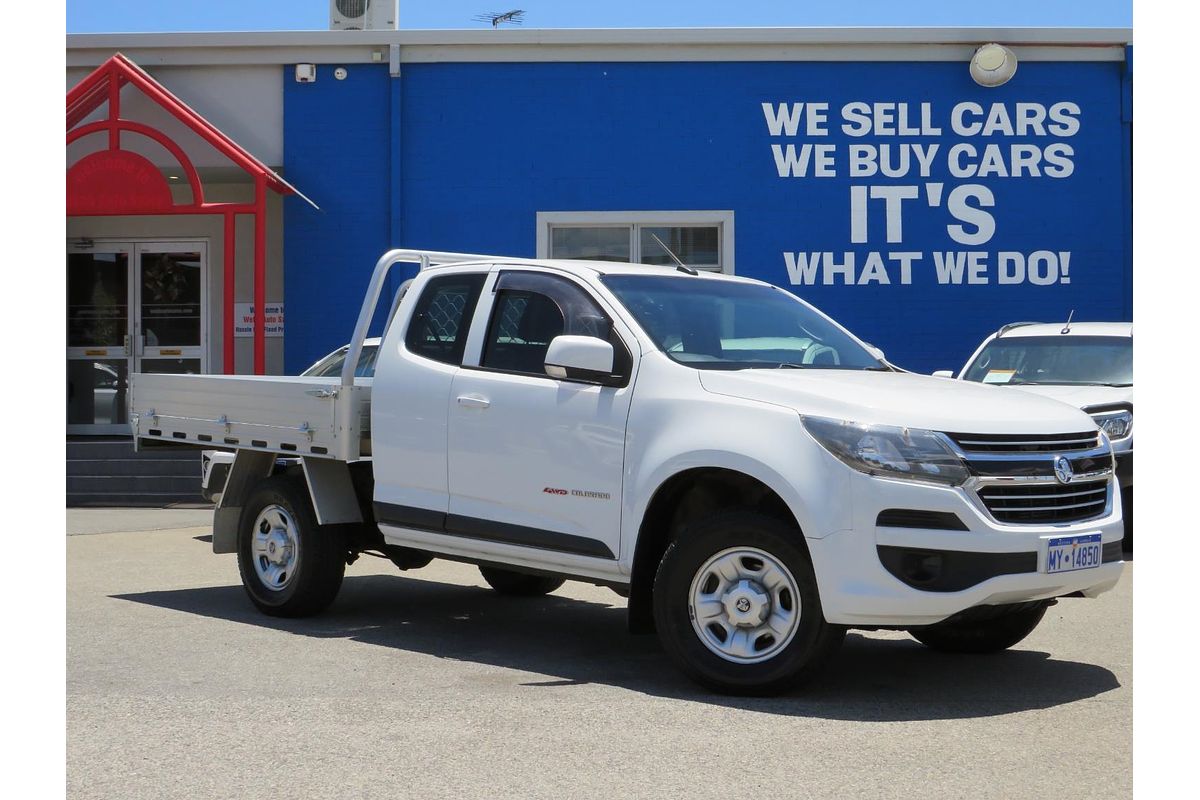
(1070, 360)
(438, 328)
(530, 310)
(522, 326)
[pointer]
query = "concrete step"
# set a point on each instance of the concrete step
(173, 467)
(133, 484)
(106, 471)
(95, 449)
(136, 500)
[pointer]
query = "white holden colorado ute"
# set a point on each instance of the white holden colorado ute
(754, 478)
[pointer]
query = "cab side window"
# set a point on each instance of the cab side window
(530, 310)
(522, 326)
(438, 328)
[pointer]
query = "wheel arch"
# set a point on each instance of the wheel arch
(681, 497)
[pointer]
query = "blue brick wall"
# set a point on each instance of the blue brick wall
(478, 149)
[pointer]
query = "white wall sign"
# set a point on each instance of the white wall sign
(869, 145)
(243, 319)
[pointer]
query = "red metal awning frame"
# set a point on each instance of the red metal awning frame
(116, 182)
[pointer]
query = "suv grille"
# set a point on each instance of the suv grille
(1028, 503)
(1026, 442)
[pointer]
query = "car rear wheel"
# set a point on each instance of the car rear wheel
(737, 608)
(290, 565)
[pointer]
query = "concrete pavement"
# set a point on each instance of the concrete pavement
(426, 684)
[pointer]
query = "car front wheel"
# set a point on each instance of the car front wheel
(737, 608)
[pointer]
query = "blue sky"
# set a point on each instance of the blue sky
(86, 16)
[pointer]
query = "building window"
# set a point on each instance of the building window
(701, 239)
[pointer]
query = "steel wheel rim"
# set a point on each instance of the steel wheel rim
(275, 548)
(744, 605)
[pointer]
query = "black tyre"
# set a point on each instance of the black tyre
(520, 584)
(737, 608)
(981, 636)
(290, 565)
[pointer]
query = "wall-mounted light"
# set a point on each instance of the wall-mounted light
(993, 65)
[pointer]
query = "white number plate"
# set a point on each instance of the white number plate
(1070, 553)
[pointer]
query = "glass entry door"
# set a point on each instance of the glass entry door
(169, 310)
(131, 307)
(99, 344)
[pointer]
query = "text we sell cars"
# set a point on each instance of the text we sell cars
(967, 119)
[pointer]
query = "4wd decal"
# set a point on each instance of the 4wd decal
(578, 493)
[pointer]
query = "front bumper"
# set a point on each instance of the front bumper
(857, 588)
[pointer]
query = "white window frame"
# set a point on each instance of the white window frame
(723, 220)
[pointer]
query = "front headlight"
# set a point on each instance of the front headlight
(1117, 424)
(907, 453)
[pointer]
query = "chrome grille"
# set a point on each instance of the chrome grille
(1045, 502)
(1018, 443)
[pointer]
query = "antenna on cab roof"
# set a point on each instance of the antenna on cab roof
(1067, 327)
(679, 265)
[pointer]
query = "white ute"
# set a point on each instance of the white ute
(1086, 364)
(750, 475)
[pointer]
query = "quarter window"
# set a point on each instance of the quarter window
(438, 329)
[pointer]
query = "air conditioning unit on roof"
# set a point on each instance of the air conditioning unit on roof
(363, 15)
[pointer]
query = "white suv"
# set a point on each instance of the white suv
(1086, 364)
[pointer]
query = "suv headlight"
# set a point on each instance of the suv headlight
(1117, 424)
(907, 453)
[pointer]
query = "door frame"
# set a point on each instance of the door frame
(132, 352)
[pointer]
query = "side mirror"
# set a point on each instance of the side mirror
(580, 358)
(944, 373)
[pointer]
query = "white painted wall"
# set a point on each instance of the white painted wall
(245, 102)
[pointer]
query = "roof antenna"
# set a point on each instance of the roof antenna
(679, 265)
(498, 18)
(1067, 327)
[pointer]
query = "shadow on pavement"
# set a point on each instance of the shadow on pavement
(574, 642)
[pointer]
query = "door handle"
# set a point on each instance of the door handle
(473, 401)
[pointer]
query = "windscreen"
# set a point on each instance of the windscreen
(1063, 360)
(721, 324)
